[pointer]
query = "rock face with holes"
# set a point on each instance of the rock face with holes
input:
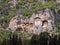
(43, 21)
(40, 22)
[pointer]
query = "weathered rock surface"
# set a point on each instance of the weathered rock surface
(41, 22)
(58, 3)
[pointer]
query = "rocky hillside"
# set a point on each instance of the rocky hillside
(12, 8)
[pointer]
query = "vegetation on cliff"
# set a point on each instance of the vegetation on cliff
(24, 7)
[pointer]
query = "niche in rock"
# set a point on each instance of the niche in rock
(45, 23)
(19, 29)
(38, 21)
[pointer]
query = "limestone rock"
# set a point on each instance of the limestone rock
(37, 23)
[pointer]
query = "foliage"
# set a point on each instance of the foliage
(58, 26)
(8, 18)
(18, 38)
(5, 34)
(50, 4)
(13, 37)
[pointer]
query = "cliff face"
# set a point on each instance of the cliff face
(40, 22)
(58, 3)
(26, 7)
(45, 22)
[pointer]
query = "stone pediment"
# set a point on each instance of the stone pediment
(37, 23)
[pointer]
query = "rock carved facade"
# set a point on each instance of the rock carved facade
(37, 23)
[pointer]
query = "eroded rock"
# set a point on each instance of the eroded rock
(37, 23)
